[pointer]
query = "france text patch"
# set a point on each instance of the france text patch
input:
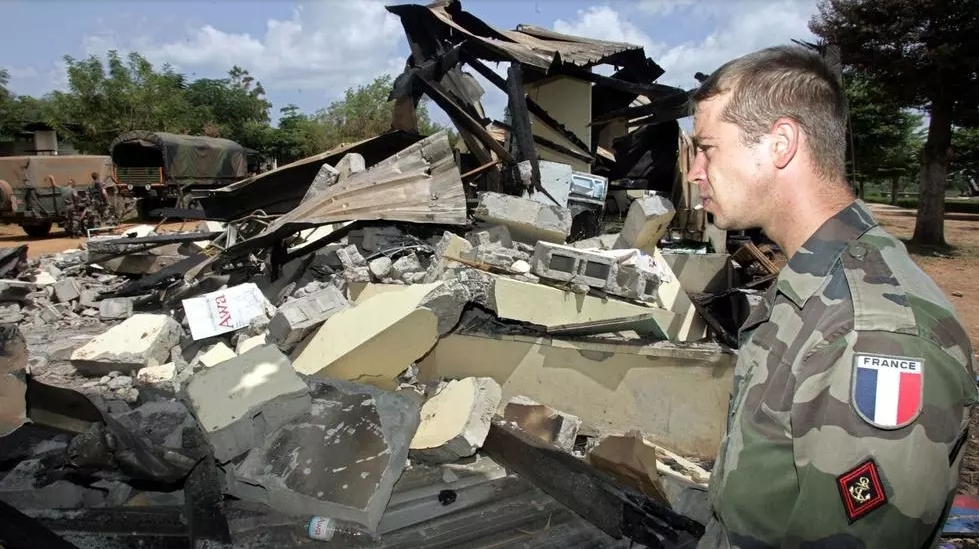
(888, 390)
(861, 490)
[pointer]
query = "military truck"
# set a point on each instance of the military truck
(32, 188)
(159, 169)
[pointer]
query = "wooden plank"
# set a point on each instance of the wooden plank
(460, 117)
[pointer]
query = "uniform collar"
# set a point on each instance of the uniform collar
(809, 266)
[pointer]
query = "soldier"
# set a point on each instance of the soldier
(854, 380)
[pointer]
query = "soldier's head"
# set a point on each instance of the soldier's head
(764, 124)
(95, 176)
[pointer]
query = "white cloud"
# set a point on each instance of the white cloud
(662, 7)
(604, 23)
(324, 47)
(752, 26)
(732, 29)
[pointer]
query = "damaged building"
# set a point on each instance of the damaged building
(522, 340)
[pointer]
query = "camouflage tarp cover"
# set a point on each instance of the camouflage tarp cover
(189, 156)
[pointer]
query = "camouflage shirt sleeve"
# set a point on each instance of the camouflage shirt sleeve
(872, 472)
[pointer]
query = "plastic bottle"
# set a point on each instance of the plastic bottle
(331, 529)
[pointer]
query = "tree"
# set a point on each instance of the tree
(365, 112)
(924, 54)
(233, 108)
(126, 94)
(886, 144)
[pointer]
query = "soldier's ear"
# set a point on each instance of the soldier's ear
(784, 142)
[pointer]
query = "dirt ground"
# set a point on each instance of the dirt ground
(59, 241)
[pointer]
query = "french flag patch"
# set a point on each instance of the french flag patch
(888, 390)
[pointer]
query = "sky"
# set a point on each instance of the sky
(308, 53)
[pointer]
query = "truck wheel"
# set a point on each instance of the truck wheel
(37, 230)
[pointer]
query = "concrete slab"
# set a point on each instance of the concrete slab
(372, 342)
(554, 308)
(340, 460)
(141, 340)
(455, 421)
(647, 221)
(527, 220)
(675, 393)
(218, 353)
(295, 319)
(240, 401)
(547, 424)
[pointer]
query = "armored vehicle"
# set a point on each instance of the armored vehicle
(37, 192)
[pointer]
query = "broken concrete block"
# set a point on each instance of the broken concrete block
(141, 340)
(447, 301)
(217, 354)
(543, 422)
(248, 343)
(381, 266)
(350, 257)
(115, 308)
(646, 223)
(567, 264)
(600, 242)
(240, 401)
(350, 164)
(632, 282)
(497, 235)
(527, 220)
(13, 379)
(455, 421)
(405, 265)
(567, 313)
(67, 290)
(451, 246)
(297, 318)
(159, 380)
(89, 298)
(340, 460)
(374, 341)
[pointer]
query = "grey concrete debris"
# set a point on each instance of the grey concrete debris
(139, 341)
(527, 220)
(497, 235)
(381, 266)
(646, 222)
(23, 488)
(16, 291)
(115, 308)
(350, 257)
(455, 422)
(160, 422)
(447, 302)
(296, 318)
(567, 264)
(405, 265)
(340, 460)
(240, 401)
(158, 381)
(67, 290)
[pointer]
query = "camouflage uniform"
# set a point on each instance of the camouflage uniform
(850, 405)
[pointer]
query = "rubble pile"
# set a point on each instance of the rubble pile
(316, 380)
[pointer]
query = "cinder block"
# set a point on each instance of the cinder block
(141, 340)
(67, 290)
(497, 235)
(632, 283)
(527, 220)
(295, 319)
(567, 264)
(647, 222)
(240, 401)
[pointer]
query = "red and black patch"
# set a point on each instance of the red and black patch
(861, 490)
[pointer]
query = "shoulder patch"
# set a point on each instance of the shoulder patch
(888, 391)
(861, 490)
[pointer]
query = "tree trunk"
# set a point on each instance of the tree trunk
(860, 192)
(895, 185)
(929, 228)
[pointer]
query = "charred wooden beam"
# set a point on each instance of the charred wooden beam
(459, 115)
(432, 69)
(547, 143)
(662, 109)
(534, 107)
(652, 91)
(660, 117)
(523, 133)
